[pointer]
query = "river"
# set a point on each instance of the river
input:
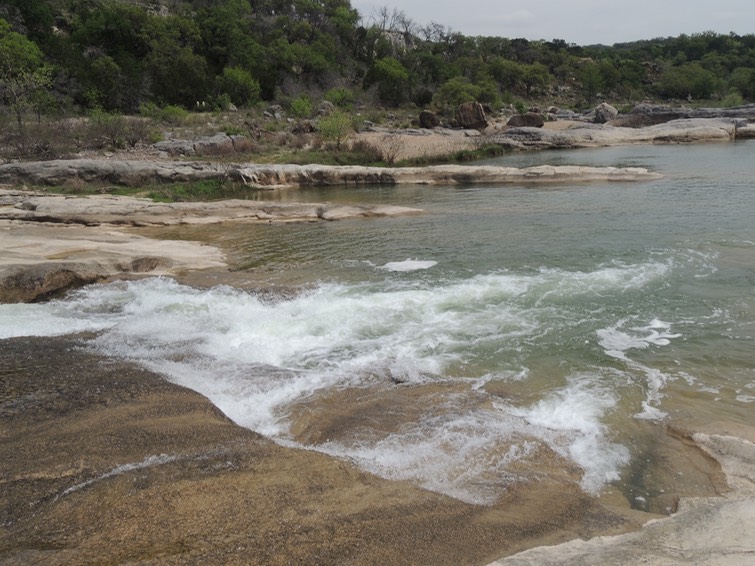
(508, 334)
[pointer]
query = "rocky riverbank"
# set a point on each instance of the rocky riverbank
(704, 531)
(43, 262)
(53, 243)
(104, 462)
(140, 173)
(581, 135)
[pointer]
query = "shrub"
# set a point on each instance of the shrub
(108, 128)
(341, 97)
(454, 92)
(170, 114)
(239, 85)
(136, 129)
(301, 107)
(732, 99)
(690, 80)
(335, 127)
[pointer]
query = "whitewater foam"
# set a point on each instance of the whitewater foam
(255, 359)
(409, 265)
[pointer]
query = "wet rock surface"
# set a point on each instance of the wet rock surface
(104, 462)
(135, 173)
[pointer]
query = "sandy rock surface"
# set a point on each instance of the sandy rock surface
(102, 462)
(704, 531)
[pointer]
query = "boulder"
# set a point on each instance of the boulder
(176, 147)
(527, 120)
(471, 115)
(325, 108)
(29, 283)
(428, 120)
(605, 113)
(303, 127)
(219, 144)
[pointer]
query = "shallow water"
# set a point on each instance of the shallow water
(509, 333)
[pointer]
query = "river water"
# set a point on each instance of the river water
(509, 333)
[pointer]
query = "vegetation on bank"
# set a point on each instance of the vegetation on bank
(83, 74)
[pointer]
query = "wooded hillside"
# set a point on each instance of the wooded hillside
(73, 56)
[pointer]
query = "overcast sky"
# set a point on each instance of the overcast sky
(583, 22)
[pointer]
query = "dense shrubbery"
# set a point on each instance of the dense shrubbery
(159, 56)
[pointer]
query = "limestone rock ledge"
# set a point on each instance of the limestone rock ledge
(688, 130)
(138, 173)
(53, 243)
(303, 175)
(714, 530)
(140, 212)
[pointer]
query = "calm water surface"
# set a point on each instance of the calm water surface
(456, 348)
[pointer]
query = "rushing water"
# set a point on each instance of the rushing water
(455, 349)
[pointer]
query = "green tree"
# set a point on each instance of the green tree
(177, 72)
(239, 85)
(454, 92)
(688, 81)
(509, 74)
(335, 127)
(23, 75)
(392, 80)
(535, 77)
(743, 79)
(591, 81)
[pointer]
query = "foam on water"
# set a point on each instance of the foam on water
(617, 343)
(254, 358)
(569, 420)
(52, 319)
(409, 265)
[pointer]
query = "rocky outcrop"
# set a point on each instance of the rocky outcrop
(100, 171)
(128, 211)
(53, 243)
(295, 175)
(746, 132)
(428, 120)
(135, 173)
(526, 120)
(43, 260)
(105, 462)
(219, 144)
(605, 113)
(597, 135)
(470, 116)
(713, 530)
(25, 284)
(644, 115)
